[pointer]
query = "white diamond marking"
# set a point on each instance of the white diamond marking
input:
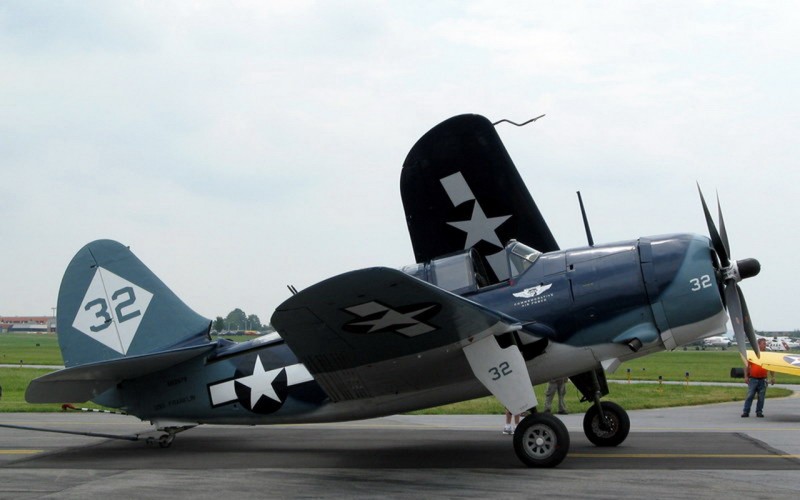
(112, 310)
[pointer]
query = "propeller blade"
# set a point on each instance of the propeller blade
(748, 324)
(719, 246)
(736, 315)
(723, 234)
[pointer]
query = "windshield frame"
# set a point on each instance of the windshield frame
(520, 257)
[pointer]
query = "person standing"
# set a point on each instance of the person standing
(557, 385)
(509, 429)
(755, 377)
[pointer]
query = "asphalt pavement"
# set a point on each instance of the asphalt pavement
(687, 452)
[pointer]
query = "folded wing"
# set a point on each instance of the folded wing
(461, 190)
(378, 331)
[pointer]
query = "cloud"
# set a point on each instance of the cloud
(239, 147)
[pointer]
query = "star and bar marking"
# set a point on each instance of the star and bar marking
(261, 384)
(479, 227)
(792, 360)
(375, 317)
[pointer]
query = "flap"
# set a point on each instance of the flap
(356, 327)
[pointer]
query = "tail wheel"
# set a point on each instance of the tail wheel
(165, 440)
(613, 431)
(541, 440)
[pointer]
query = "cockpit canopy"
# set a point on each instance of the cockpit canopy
(465, 272)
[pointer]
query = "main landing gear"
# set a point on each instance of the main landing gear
(542, 440)
(607, 425)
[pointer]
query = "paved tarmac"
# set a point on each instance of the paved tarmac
(690, 452)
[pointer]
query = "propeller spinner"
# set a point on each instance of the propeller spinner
(732, 272)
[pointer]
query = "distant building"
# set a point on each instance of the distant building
(32, 324)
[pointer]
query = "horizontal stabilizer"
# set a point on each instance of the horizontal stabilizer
(85, 382)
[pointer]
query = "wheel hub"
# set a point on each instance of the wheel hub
(540, 441)
(607, 428)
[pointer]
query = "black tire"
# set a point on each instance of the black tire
(618, 425)
(165, 440)
(541, 440)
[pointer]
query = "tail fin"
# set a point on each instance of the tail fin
(111, 306)
(460, 189)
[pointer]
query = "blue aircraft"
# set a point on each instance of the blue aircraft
(492, 306)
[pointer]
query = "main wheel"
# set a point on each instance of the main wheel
(541, 440)
(615, 430)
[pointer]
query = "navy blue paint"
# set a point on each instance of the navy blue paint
(605, 285)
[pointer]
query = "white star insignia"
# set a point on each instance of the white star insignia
(480, 227)
(260, 383)
(792, 360)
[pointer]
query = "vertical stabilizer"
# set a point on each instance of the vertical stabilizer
(111, 305)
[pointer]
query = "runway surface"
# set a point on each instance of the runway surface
(697, 452)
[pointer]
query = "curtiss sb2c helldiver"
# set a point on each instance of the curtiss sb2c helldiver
(492, 306)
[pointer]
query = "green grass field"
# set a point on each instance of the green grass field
(14, 381)
(42, 348)
(30, 349)
(707, 366)
(703, 366)
(630, 396)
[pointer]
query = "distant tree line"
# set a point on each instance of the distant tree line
(238, 320)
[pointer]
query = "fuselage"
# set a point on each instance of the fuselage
(602, 304)
(659, 288)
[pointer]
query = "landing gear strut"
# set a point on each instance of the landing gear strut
(541, 440)
(605, 423)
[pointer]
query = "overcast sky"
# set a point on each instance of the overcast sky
(238, 147)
